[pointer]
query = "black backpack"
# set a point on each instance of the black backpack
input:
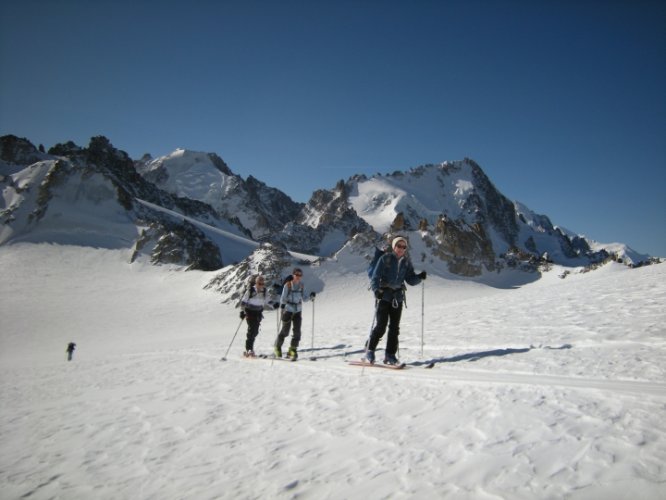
(277, 288)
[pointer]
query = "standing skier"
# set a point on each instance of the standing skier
(393, 269)
(70, 350)
(253, 303)
(291, 302)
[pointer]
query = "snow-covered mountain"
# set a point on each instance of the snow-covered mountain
(321, 227)
(91, 197)
(190, 208)
(206, 178)
(466, 222)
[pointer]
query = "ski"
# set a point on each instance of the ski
(270, 357)
(275, 358)
(256, 356)
(377, 365)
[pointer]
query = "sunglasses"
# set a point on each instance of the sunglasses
(298, 275)
(404, 247)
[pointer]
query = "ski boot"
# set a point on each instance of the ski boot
(292, 354)
(249, 354)
(390, 359)
(369, 357)
(277, 351)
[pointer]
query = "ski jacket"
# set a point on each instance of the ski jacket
(254, 301)
(292, 297)
(390, 275)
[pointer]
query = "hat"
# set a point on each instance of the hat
(398, 240)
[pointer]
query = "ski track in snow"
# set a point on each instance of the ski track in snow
(553, 390)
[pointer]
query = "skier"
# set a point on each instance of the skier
(291, 302)
(253, 303)
(70, 350)
(393, 269)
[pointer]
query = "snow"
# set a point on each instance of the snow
(191, 174)
(554, 389)
(463, 187)
(379, 199)
(233, 247)
(83, 210)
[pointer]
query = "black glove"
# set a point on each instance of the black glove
(282, 306)
(379, 294)
(313, 295)
(422, 275)
(289, 278)
(242, 315)
(276, 305)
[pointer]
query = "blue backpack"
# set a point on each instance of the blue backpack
(373, 263)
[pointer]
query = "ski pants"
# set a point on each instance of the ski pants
(253, 322)
(289, 318)
(389, 315)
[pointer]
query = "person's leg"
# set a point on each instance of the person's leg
(382, 318)
(392, 342)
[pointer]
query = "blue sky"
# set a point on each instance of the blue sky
(561, 102)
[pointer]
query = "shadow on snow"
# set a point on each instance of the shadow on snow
(475, 356)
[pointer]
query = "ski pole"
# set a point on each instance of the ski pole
(312, 296)
(224, 358)
(422, 313)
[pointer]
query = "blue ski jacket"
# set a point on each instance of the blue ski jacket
(390, 274)
(292, 297)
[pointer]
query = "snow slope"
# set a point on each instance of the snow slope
(423, 191)
(191, 174)
(551, 390)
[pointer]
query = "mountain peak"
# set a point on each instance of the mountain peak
(191, 205)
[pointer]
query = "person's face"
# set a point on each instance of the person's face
(400, 249)
(260, 283)
(297, 276)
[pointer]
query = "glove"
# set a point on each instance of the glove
(422, 275)
(282, 306)
(289, 278)
(313, 295)
(275, 305)
(242, 315)
(379, 294)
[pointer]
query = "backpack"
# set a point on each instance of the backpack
(373, 263)
(277, 287)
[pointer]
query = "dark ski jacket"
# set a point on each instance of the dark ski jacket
(390, 274)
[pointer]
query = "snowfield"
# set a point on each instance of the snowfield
(554, 389)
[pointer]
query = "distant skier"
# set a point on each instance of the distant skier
(70, 350)
(393, 269)
(253, 303)
(291, 302)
